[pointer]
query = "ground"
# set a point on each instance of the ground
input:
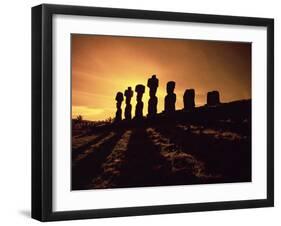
(187, 148)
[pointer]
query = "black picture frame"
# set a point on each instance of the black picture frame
(42, 107)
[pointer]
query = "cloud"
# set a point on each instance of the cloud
(105, 65)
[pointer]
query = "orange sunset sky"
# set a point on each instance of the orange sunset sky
(104, 65)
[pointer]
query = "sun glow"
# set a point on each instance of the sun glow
(105, 65)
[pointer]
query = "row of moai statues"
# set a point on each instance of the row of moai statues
(170, 100)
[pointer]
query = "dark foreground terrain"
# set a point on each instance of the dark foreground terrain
(207, 145)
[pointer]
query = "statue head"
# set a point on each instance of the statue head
(170, 87)
(119, 97)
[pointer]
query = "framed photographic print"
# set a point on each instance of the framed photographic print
(145, 112)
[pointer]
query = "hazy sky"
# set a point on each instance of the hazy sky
(104, 65)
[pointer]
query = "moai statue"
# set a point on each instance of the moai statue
(119, 99)
(139, 107)
(188, 99)
(128, 109)
(152, 84)
(170, 98)
(213, 98)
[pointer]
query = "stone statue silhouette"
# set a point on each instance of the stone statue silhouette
(170, 98)
(128, 109)
(213, 98)
(152, 84)
(188, 99)
(140, 89)
(119, 99)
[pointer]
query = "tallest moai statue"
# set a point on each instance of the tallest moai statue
(152, 84)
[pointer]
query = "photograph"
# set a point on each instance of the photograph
(141, 112)
(149, 111)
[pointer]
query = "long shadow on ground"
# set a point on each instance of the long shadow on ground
(76, 151)
(89, 167)
(145, 166)
(141, 162)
